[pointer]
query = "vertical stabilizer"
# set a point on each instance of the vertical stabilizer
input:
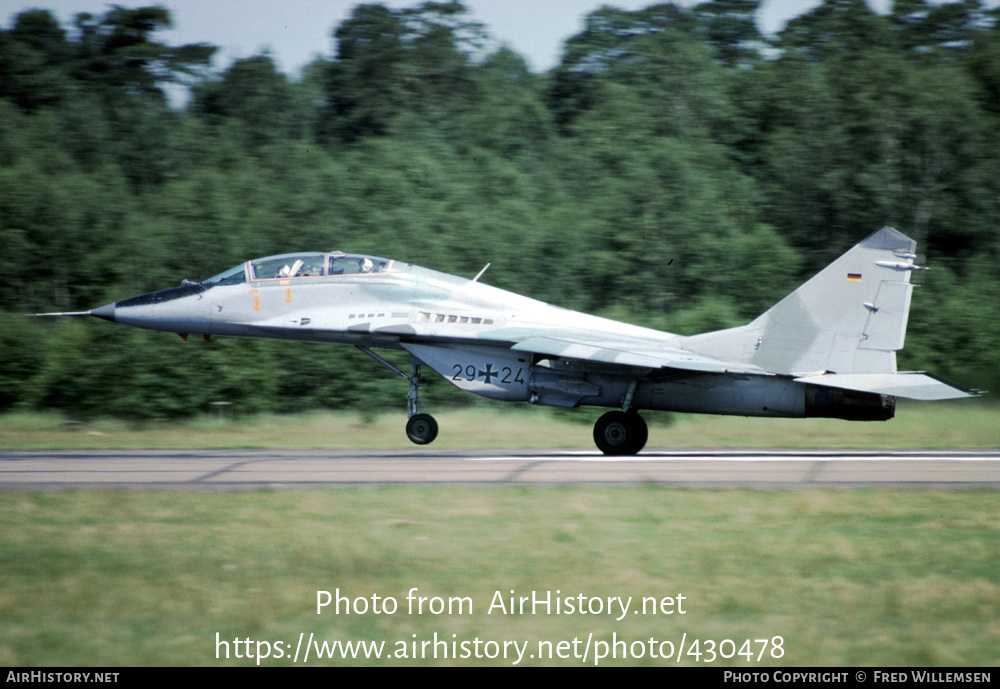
(849, 318)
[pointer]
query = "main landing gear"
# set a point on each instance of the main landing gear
(620, 433)
(421, 428)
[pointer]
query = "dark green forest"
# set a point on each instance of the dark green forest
(677, 169)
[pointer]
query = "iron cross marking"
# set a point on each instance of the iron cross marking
(488, 374)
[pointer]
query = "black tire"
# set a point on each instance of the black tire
(421, 429)
(620, 433)
(641, 432)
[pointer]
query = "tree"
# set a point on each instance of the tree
(984, 63)
(254, 95)
(388, 62)
(836, 29)
(116, 53)
(33, 56)
(927, 27)
(649, 177)
(730, 27)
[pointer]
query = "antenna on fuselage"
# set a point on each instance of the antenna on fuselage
(480, 273)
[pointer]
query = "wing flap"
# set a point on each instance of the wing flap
(915, 385)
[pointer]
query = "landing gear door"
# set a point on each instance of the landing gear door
(494, 372)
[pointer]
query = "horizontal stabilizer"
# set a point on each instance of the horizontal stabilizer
(914, 385)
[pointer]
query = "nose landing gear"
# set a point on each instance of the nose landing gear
(421, 428)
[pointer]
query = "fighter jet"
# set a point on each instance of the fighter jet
(826, 350)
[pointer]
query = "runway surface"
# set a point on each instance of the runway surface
(251, 469)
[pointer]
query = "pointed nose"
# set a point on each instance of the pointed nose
(106, 312)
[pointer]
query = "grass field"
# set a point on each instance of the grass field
(956, 425)
(854, 578)
(843, 577)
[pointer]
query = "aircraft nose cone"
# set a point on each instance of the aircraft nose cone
(106, 312)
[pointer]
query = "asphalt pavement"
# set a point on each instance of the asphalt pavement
(201, 470)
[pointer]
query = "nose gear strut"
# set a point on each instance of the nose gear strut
(421, 428)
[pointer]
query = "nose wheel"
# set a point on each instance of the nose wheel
(620, 433)
(420, 428)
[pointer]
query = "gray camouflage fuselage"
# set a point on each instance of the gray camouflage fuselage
(827, 349)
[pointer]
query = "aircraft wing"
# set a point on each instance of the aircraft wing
(915, 385)
(627, 353)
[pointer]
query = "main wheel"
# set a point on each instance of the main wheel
(620, 433)
(421, 429)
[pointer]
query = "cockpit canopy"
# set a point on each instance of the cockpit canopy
(302, 265)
